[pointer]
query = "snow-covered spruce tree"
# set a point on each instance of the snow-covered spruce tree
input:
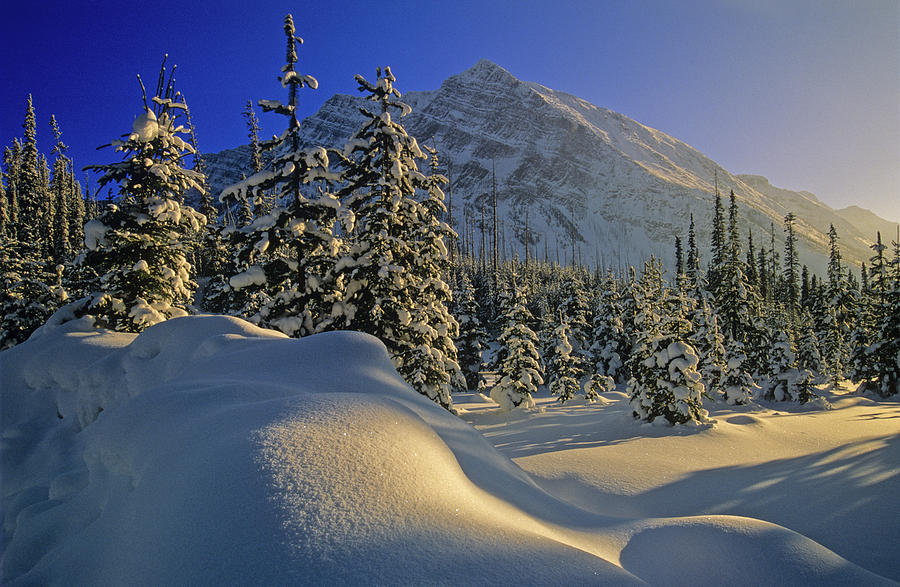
(262, 202)
(786, 381)
(735, 301)
(833, 346)
(12, 156)
(835, 321)
(791, 289)
(284, 260)
(394, 252)
(60, 187)
(138, 246)
(574, 305)
(30, 290)
(4, 206)
(809, 355)
(707, 339)
(32, 196)
(750, 264)
(737, 385)
(758, 348)
(665, 381)
(718, 243)
(692, 262)
(884, 354)
(520, 367)
(471, 337)
(561, 366)
(431, 361)
(610, 343)
(869, 303)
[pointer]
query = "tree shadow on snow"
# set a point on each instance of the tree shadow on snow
(566, 427)
(843, 498)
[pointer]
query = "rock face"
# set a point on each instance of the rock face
(588, 181)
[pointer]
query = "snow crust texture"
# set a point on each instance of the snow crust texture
(208, 451)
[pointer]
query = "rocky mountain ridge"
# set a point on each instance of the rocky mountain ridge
(589, 181)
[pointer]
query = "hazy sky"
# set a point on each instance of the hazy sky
(806, 93)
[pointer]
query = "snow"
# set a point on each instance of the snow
(145, 127)
(254, 275)
(94, 234)
(206, 450)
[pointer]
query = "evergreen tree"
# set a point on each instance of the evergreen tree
(862, 368)
(791, 268)
(4, 207)
(260, 203)
(782, 364)
(805, 286)
(762, 277)
(30, 291)
(872, 300)
(679, 257)
(738, 384)
(519, 369)
(833, 315)
(809, 355)
(772, 258)
(787, 382)
(385, 270)
(12, 157)
(835, 270)
(91, 207)
(575, 307)
(736, 301)
(138, 247)
(692, 267)
(758, 346)
(76, 212)
(665, 381)
(47, 221)
(30, 188)
(283, 268)
(60, 188)
(249, 113)
(750, 264)
(470, 341)
(709, 343)
(883, 355)
(610, 342)
(717, 243)
(833, 348)
(432, 359)
(562, 367)
(207, 206)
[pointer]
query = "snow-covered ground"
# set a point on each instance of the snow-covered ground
(206, 450)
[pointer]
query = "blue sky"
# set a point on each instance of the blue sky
(805, 92)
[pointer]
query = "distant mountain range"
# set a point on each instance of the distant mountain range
(586, 178)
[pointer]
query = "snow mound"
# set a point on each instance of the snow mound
(208, 451)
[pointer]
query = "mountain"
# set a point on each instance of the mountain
(588, 180)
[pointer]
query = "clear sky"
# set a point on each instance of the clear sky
(805, 92)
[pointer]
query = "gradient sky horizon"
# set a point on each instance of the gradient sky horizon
(804, 92)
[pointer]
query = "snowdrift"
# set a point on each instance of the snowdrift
(208, 451)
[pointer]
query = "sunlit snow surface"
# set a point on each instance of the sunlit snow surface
(208, 451)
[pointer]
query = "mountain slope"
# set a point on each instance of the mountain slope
(587, 179)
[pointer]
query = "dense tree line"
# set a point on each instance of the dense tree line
(744, 326)
(358, 238)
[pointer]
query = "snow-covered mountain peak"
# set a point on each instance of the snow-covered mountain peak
(588, 179)
(487, 70)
